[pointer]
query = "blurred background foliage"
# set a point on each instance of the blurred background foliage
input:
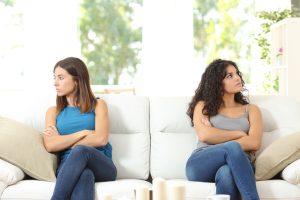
(112, 45)
(109, 41)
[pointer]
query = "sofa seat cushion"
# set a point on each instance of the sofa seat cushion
(120, 188)
(267, 190)
(29, 190)
(277, 189)
(42, 190)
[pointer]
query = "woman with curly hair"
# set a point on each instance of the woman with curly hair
(229, 131)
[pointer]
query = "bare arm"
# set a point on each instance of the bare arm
(252, 141)
(55, 142)
(209, 134)
(99, 137)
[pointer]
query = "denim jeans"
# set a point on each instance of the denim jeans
(76, 175)
(228, 166)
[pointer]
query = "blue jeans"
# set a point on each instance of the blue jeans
(76, 175)
(228, 166)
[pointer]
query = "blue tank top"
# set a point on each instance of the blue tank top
(71, 120)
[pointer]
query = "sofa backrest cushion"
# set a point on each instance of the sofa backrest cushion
(129, 125)
(27, 107)
(173, 139)
(281, 117)
(130, 138)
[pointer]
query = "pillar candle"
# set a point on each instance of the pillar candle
(159, 189)
(106, 197)
(142, 193)
(176, 192)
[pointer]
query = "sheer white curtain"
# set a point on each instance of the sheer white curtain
(167, 56)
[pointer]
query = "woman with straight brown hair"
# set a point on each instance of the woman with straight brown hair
(77, 129)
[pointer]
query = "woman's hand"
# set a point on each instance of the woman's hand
(86, 132)
(83, 134)
(51, 130)
(205, 121)
(252, 153)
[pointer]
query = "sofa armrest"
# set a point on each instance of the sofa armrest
(10, 174)
(292, 173)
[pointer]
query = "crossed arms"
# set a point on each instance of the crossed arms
(211, 135)
(55, 142)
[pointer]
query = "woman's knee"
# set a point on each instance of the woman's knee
(233, 147)
(224, 175)
(225, 183)
(87, 176)
(191, 171)
(80, 149)
(223, 172)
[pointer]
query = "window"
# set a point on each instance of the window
(111, 39)
(155, 47)
(12, 45)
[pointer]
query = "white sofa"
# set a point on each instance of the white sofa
(151, 137)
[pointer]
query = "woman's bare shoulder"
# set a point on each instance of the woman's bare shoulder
(199, 105)
(51, 109)
(253, 108)
(101, 104)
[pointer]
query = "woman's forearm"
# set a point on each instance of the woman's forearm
(213, 135)
(249, 143)
(55, 143)
(93, 140)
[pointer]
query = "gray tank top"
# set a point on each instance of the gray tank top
(228, 123)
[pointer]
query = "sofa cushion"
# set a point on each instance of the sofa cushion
(23, 146)
(172, 136)
(129, 134)
(29, 190)
(292, 173)
(277, 190)
(2, 187)
(42, 190)
(277, 156)
(275, 116)
(10, 174)
(119, 189)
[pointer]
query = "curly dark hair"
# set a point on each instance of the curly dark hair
(210, 89)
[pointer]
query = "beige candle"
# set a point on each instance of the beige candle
(219, 197)
(159, 189)
(176, 192)
(106, 197)
(142, 193)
